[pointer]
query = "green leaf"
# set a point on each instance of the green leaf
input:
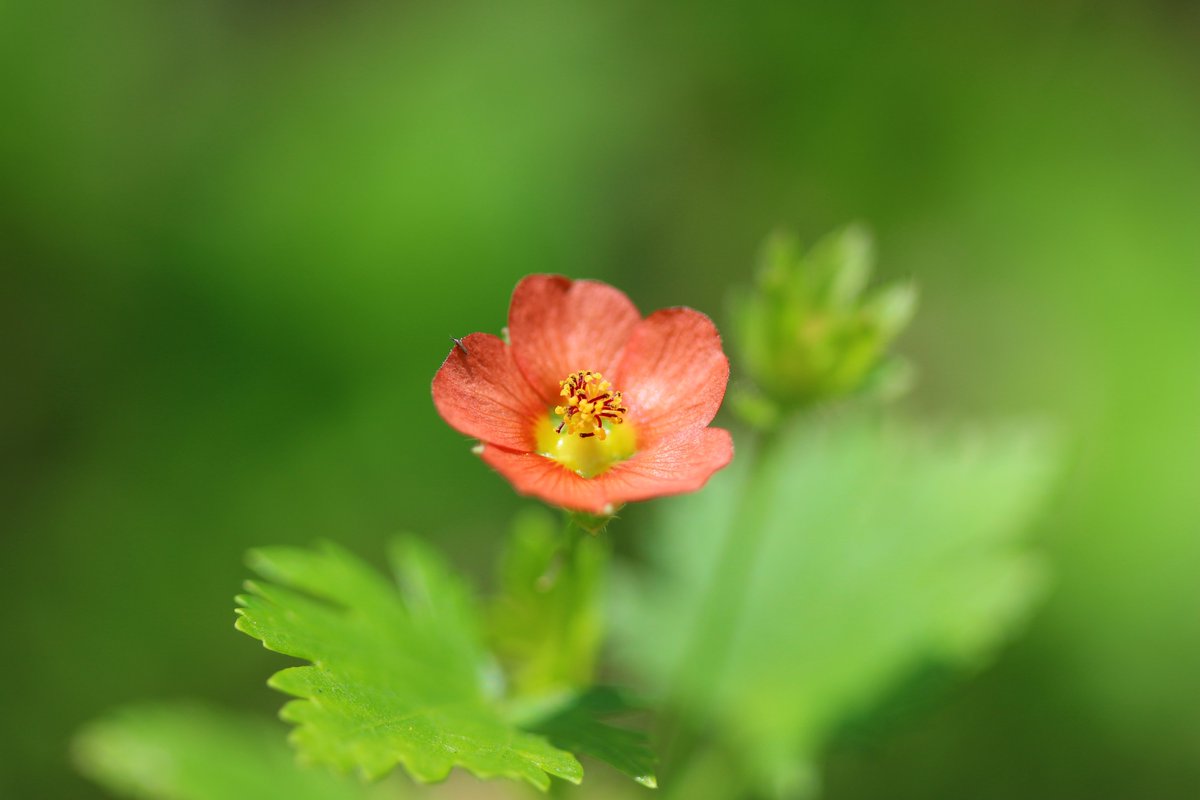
(580, 726)
(398, 676)
(546, 627)
(545, 623)
(792, 593)
(190, 752)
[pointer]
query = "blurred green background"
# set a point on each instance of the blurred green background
(236, 237)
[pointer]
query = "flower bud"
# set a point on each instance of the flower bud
(810, 331)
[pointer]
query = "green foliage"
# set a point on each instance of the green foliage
(813, 576)
(396, 676)
(579, 726)
(189, 752)
(809, 331)
(545, 624)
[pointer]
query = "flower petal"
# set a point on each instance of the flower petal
(676, 464)
(558, 326)
(673, 372)
(481, 393)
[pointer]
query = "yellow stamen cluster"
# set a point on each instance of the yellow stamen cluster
(588, 401)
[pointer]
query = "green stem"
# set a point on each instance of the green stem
(716, 621)
(585, 556)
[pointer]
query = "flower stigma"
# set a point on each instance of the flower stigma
(576, 436)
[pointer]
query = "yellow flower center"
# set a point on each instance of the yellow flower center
(577, 436)
(588, 400)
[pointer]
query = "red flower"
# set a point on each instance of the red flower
(590, 406)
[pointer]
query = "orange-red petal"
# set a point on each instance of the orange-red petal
(675, 464)
(673, 372)
(481, 393)
(558, 326)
